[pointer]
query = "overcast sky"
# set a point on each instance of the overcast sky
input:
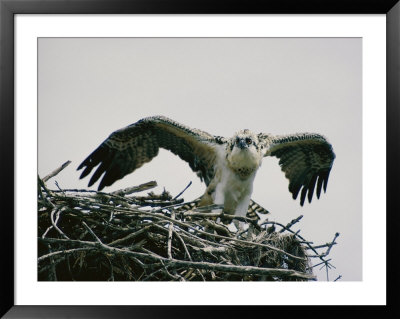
(89, 88)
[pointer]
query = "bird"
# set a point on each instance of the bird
(227, 166)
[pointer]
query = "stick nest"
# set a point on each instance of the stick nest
(88, 235)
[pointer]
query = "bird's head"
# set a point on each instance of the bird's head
(244, 140)
(244, 152)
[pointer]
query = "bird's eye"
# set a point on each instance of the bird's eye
(248, 141)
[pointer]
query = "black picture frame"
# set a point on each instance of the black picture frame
(9, 8)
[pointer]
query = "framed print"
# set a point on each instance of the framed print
(201, 90)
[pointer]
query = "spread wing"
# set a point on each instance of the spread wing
(129, 148)
(306, 159)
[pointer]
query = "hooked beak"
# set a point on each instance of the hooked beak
(241, 143)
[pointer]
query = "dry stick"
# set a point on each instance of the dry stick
(172, 276)
(323, 262)
(222, 229)
(58, 186)
(45, 269)
(69, 267)
(330, 246)
(154, 273)
(135, 189)
(170, 228)
(55, 172)
(175, 205)
(111, 269)
(69, 251)
(250, 270)
(325, 265)
(139, 262)
(92, 233)
(322, 246)
(54, 223)
(183, 244)
(188, 273)
(152, 253)
(50, 193)
(164, 218)
(210, 250)
(130, 236)
(177, 196)
(160, 216)
(252, 243)
(47, 230)
(76, 190)
(327, 274)
(198, 213)
(53, 273)
(40, 182)
(292, 222)
(187, 252)
(193, 236)
(131, 200)
(300, 237)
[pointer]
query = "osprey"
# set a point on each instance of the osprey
(228, 166)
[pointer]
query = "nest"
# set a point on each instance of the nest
(88, 235)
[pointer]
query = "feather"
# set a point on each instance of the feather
(304, 158)
(129, 148)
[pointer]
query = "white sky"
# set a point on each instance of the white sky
(90, 87)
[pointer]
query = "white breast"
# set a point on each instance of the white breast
(232, 191)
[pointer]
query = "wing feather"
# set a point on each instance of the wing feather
(306, 159)
(129, 148)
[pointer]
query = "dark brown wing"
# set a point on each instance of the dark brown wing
(129, 148)
(306, 159)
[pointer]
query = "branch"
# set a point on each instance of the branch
(135, 189)
(56, 171)
(204, 265)
(170, 229)
(177, 196)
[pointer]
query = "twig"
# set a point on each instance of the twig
(111, 269)
(52, 274)
(330, 246)
(68, 251)
(323, 262)
(320, 256)
(54, 222)
(43, 185)
(206, 265)
(130, 236)
(177, 196)
(134, 239)
(292, 222)
(322, 246)
(135, 189)
(55, 172)
(92, 233)
(183, 244)
(170, 228)
(154, 273)
(163, 217)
